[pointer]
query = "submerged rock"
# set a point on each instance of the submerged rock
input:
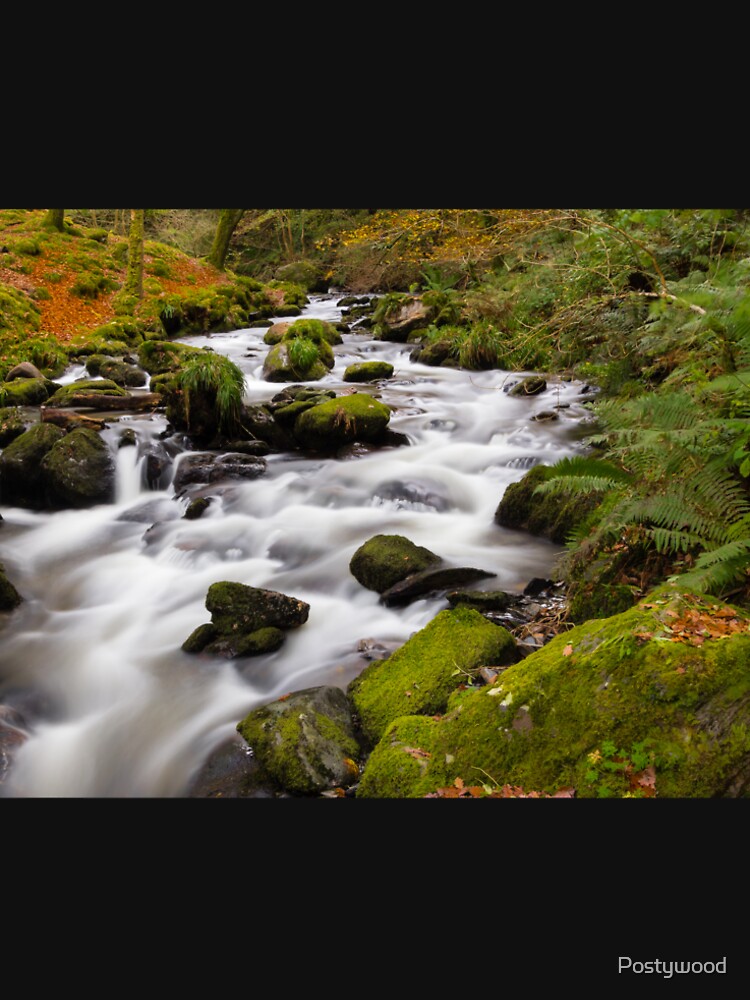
(429, 581)
(208, 468)
(653, 701)
(305, 741)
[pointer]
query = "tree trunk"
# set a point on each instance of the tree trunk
(54, 218)
(134, 281)
(100, 401)
(228, 220)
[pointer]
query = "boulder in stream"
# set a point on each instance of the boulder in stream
(79, 470)
(245, 621)
(368, 371)
(305, 741)
(328, 426)
(385, 560)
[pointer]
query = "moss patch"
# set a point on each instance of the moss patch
(326, 427)
(385, 560)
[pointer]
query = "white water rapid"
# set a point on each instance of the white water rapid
(92, 660)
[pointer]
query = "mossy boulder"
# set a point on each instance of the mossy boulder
(397, 315)
(305, 741)
(340, 421)
(317, 330)
(77, 393)
(79, 470)
(421, 675)
(9, 596)
(118, 372)
(368, 371)
(279, 366)
(25, 392)
(22, 479)
(245, 621)
(385, 560)
(435, 354)
(549, 515)
(275, 334)
(307, 273)
(23, 370)
(210, 468)
(12, 425)
(160, 356)
(655, 700)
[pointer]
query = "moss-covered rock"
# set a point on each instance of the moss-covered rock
(305, 741)
(79, 470)
(280, 366)
(22, 479)
(275, 334)
(76, 393)
(368, 371)
(118, 372)
(552, 516)
(316, 330)
(435, 353)
(9, 596)
(326, 427)
(24, 392)
(23, 370)
(306, 273)
(420, 676)
(245, 621)
(12, 425)
(160, 356)
(655, 700)
(397, 315)
(385, 560)
(530, 386)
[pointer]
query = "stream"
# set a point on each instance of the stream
(91, 659)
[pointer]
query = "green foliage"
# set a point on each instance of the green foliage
(219, 377)
(303, 353)
(91, 286)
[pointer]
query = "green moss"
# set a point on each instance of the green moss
(67, 394)
(615, 690)
(11, 425)
(91, 286)
(24, 392)
(79, 470)
(279, 365)
(385, 560)
(551, 516)
(316, 330)
(419, 677)
(358, 417)
(368, 371)
(200, 637)
(160, 356)
(21, 479)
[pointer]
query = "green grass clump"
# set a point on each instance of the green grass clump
(215, 375)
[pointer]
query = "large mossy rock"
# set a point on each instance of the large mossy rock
(305, 741)
(12, 425)
(245, 621)
(83, 391)
(79, 470)
(552, 516)
(396, 316)
(22, 478)
(421, 675)
(160, 356)
(122, 374)
(655, 700)
(25, 392)
(279, 366)
(385, 560)
(340, 421)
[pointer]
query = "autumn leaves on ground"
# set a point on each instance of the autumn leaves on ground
(48, 266)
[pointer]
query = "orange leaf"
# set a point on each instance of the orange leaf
(568, 650)
(459, 782)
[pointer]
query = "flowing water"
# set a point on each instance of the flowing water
(92, 658)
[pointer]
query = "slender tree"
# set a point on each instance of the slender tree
(228, 220)
(134, 281)
(54, 218)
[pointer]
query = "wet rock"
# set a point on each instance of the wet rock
(420, 677)
(385, 560)
(430, 581)
(79, 471)
(150, 512)
(12, 425)
(435, 354)
(127, 438)
(481, 600)
(368, 371)
(9, 596)
(12, 738)
(330, 425)
(197, 508)
(24, 370)
(551, 516)
(22, 477)
(545, 416)
(158, 467)
(260, 425)
(81, 392)
(231, 772)
(25, 392)
(245, 621)
(275, 334)
(258, 448)
(537, 586)
(412, 495)
(305, 741)
(280, 367)
(396, 320)
(209, 468)
(118, 372)
(530, 386)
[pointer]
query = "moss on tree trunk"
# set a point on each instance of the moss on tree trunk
(227, 224)
(134, 283)
(54, 218)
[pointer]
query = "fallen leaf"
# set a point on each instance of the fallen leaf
(459, 782)
(680, 670)
(416, 752)
(568, 650)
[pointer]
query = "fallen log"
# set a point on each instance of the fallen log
(101, 401)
